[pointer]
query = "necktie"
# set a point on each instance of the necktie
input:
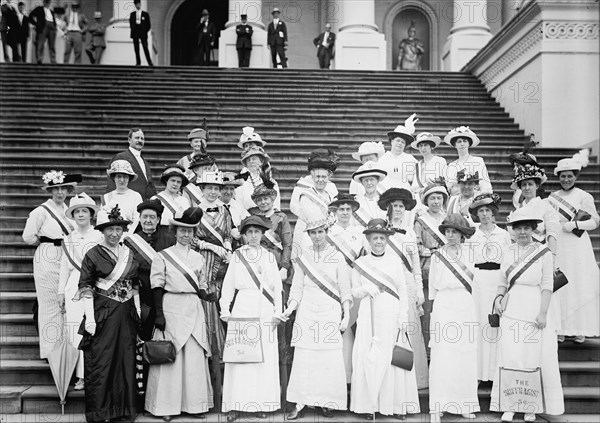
(212, 209)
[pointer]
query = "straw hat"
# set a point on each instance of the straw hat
(397, 194)
(524, 215)
(405, 131)
(367, 148)
(189, 218)
(254, 151)
(575, 163)
(174, 170)
(56, 178)
(111, 217)
(439, 186)
(323, 222)
(461, 132)
(248, 135)
(197, 133)
(121, 166)
(426, 137)
(79, 201)
(458, 222)
(370, 168)
(214, 178)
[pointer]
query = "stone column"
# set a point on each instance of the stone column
(260, 57)
(359, 43)
(468, 35)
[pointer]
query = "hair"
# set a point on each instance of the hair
(537, 181)
(431, 143)
(245, 229)
(21, 4)
(173, 229)
(114, 175)
(325, 227)
(494, 208)
(390, 209)
(531, 223)
(134, 130)
(69, 188)
(453, 141)
(262, 159)
(575, 172)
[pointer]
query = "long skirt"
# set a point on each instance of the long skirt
(524, 346)
(580, 298)
(46, 273)
(181, 386)
(348, 340)
(453, 366)
(73, 316)
(485, 286)
(415, 334)
(318, 379)
(109, 361)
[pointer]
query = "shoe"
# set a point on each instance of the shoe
(507, 416)
(327, 412)
(261, 415)
(580, 339)
(167, 418)
(199, 415)
(295, 414)
(529, 417)
(401, 417)
(232, 415)
(560, 338)
(469, 416)
(368, 416)
(80, 385)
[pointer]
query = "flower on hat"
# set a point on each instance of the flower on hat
(54, 176)
(464, 176)
(463, 130)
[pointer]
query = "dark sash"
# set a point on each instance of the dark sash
(516, 269)
(347, 251)
(562, 206)
(430, 231)
(398, 250)
(70, 258)
(253, 276)
(181, 268)
(361, 218)
(455, 272)
(166, 203)
(371, 275)
(64, 227)
(322, 281)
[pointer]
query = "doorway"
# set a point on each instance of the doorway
(400, 26)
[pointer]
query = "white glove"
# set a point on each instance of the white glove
(371, 290)
(568, 226)
(283, 272)
(90, 321)
(235, 233)
(225, 317)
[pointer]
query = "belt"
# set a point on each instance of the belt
(488, 266)
(56, 242)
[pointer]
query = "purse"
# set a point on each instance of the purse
(560, 280)
(402, 357)
(581, 216)
(158, 351)
(494, 318)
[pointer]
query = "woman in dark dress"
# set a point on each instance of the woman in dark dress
(108, 289)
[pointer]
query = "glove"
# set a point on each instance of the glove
(283, 273)
(88, 311)
(159, 322)
(225, 317)
(208, 296)
(344, 323)
(568, 226)
(372, 290)
(235, 233)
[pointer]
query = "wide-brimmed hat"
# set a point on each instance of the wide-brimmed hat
(214, 178)
(201, 159)
(189, 218)
(438, 186)
(79, 201)
(524, 215)
(154, 204)
(205, 12)
(121, 166)
(267, 189)
(405, 131)
(235, 179)
(370, 168)
(461, 132)
(458, 222)
(254, 151)
(397, 194)
(248, 135)
(487, 199)
(463, 176)
(323, 159)
(528, 171)
(174, 170)
(426, 137)
(367, 148)
(56, 178)
(378, 226)
(341, 199)
(575, 163)
(110, 217)
(323, 222)
(255, 220)
(275, 10)
(197, 133)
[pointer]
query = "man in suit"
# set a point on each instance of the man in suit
(139, 23)
(244, 42)
(277, 39)
(76, 25)
(22, 31)
(324, 44)
(44, 20)
(207, 34)
(143, 184)
(8, 28)
(97, 44)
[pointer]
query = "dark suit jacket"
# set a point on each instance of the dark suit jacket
(244, 36)
(144, 187)
(9, 22)
(23, 29)
(141, 30)
(273, 37)
(38, 18)
(210, 36)
(318, 42)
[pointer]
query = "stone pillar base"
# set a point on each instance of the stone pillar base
(119, 46)
(360, 51)
(462, 47)
(228, 58)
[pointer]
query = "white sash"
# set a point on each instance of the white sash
(140, 245)
(382, 280)
(117, 272)
(397, 248)
(458, 269)
(346, 249)
(193, 195)
(516, 269)
(315, 198)
(65, 226)
(433, 231)
(322, 281)
(172, 207)
(270, 235)
(186, 272)
(210, 228)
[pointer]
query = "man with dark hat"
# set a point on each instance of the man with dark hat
(139, 23)
(76, 26)
(244, 42)
(277, 39)
(207, 34)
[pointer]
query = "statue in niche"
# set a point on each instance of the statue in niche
(411, 50)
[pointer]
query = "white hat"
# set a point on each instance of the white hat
(575, 163)
(370, 168)
(214, 178)
(426, 137)
(369, 147)
(461, 132)
(248, 135)
(524, 214)
(122, 166)
(405, 131)
(79, 201)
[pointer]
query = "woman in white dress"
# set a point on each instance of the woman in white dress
(178, 283)
(431, 166)
(523, 301)
(490, 245)
(580, 298)
(368, 151)
(463, 139)
(257, 162)
(453, 365)
(45, 228)
(397, 202)
(378, 282)
(171, 198)
(253, 273)
(122, 173)
(322, 295)
(82, 209)
(369, 176)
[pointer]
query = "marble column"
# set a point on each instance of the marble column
(359, 43)
(468, 35)
(260, 57)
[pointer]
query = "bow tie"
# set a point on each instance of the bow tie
(400, 231)
(226, 206)
(212, 209)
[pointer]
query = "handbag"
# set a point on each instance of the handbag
(402, 357)
(560, 280)
(494, 318)
(581, 216)
(158, 351)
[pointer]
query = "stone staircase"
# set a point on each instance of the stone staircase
(74, 118)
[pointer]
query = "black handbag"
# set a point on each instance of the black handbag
(402, 357)
(494, 318)
(560, 280)
(158, 351)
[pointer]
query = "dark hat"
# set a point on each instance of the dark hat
(55, 179)
(487, 199)
(263, 190)
(197, 133)
(201, 159)
(242, 17)
(349, 199)
(464, 176)
(323, 159)
(174, 170)
(111, 218)
(189, 218)
(405, 131)
(458, 222)
(235, 179)
(155, 205)
(396, 194)
(75, 5)
(205, 12)
(377, 226)
(254, 220)
(528, 171)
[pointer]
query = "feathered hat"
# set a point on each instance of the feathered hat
(528, 171)
(575, 163)
(267, 188)
(110, 217)
(323, 159)
(248, 135)
(461, 132)
(405, 131)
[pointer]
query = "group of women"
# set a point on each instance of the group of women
(411, 262)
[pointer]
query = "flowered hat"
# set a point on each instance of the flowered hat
(464, 176)
(575, 163)
(397, 194)
(370, 168)
(461, 132)
(81, 200)
(426, 137)
(458, 222)
(110, 217)
(341, 199)
(491, 200)
(174, 170)
(248, 135)
(367, 148)
(189, 218)
(201, 159)
(437, 186)
(323, 222)
(378, 226)
(528, 171)
(323, 159)
(121, 166)
(405, 131)
(56, 178)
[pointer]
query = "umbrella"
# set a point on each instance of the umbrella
(375, 367)
(62, 360)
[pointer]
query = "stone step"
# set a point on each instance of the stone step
(572, 351)
(16, 282)
(20, 325)
(16, 302)
(580, 373)
(17, 347)
(25, 372)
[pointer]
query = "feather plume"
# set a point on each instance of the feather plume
(583, 157)
(410, 122)
(265, 175)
